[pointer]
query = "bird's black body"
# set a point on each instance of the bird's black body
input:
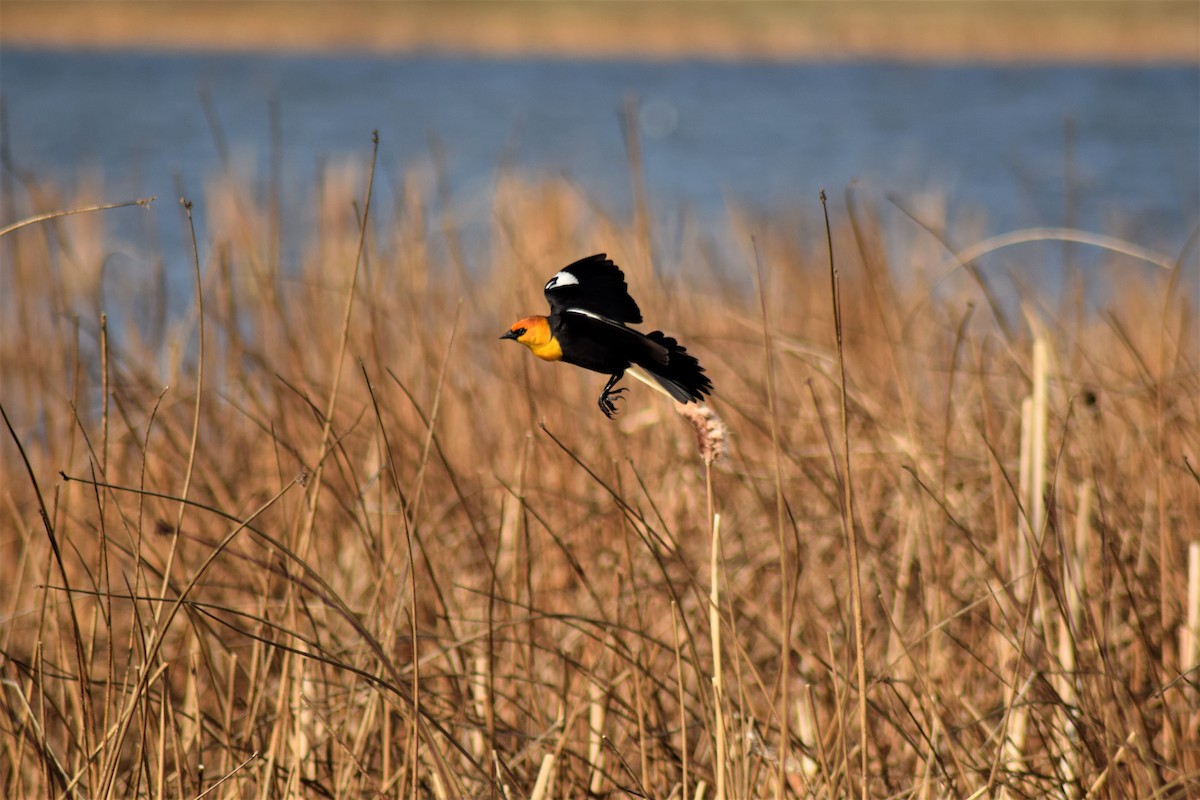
(604, 347)
(589, 308)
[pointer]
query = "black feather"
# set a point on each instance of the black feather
(602, 345)
(601, 289)
(682, 375)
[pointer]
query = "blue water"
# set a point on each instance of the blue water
(990, 138)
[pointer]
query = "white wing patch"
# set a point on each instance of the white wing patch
(562, 278)
(591, 314)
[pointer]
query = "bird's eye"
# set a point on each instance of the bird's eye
(519, 331)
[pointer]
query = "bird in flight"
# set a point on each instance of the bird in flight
(590, 309)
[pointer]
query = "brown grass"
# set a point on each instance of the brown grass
(972, 30)
(453, 577)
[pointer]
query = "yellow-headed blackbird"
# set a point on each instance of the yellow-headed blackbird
(589, 308)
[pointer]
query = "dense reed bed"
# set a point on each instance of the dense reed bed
(322, 535)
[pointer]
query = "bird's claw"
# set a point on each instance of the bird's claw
(607, 405)
(609, 394)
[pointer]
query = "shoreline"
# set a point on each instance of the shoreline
(998, 31)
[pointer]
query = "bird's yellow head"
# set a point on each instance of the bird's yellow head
(534, 333)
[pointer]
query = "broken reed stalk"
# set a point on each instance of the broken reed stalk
(848, 524)
(1189, 635)
(810, 734)
(718, 684)
(1034, 422)
(478, 684)
(597, 713)
(542, 786)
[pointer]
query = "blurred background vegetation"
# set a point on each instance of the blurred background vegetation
(1053, 30)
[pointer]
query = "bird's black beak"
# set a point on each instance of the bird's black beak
(510, 335)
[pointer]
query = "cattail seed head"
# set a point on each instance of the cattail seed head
(712, 435)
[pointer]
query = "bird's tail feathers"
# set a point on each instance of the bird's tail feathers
(682, 376)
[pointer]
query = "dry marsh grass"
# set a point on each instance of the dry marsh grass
(324, 536)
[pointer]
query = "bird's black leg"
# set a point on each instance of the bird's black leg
(606, 404)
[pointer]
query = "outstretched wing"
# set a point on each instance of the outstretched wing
(588, 330)
(594, 285)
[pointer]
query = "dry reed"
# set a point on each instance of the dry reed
(444, 574)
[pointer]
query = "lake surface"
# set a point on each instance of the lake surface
(990, 138)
